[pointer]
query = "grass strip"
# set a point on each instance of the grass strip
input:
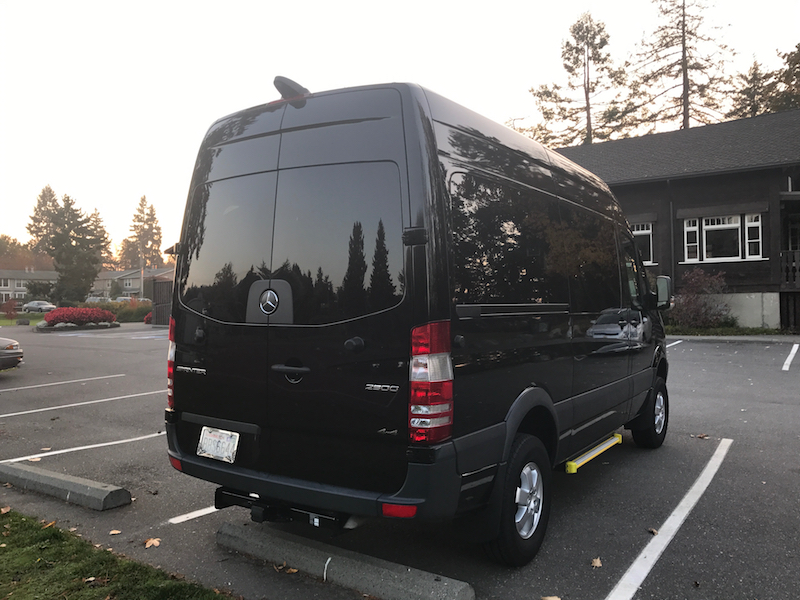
(39, 560)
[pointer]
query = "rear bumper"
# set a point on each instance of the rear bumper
(433, 487)
(9, 361)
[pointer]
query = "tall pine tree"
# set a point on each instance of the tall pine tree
(573, 114)
(678, 75)
(144, 246)
(41, 226)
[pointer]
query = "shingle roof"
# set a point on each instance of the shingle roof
(761, 142)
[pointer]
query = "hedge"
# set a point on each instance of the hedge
(79, 316)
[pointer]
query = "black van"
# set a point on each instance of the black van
(387, 305)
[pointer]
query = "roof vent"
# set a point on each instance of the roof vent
(291, 91)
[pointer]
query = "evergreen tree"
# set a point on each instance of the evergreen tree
(752, 97)
(571, 113)
(41, 226)
(381, 288)
(785, 93)
(677, 77)
(98, 231)
(145, 243)
(75, 251)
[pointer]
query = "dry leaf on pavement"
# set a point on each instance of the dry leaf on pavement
(653, 531)
(114, 532)
(596, 564)
(152, 542)
(4, 510)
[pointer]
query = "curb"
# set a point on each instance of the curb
(368, 575)
(76, 490)
(114, 325)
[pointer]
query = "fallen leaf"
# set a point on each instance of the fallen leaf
(46, 449)
(702, 436)
(596, 564)
(114, 532)
(4, 510)
(37, 459)
(291, 571)
(50, 524)
(152, 542)
(73, 529)
(2, 545)
(88, 580)
(653, 531)
(550, 598)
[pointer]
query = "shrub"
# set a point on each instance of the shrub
(131, 314)
(696, 305)
(10, 309)
(79, 316)
(148, 318)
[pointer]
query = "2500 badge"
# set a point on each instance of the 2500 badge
(378, 387)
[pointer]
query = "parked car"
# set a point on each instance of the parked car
(123, 299)
(400, 329)
(38, 306)
(10, 354)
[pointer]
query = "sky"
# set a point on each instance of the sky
(108, 101)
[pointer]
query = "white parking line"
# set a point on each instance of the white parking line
(193, 515)
(789, 360)
(41, 385)
(92, 447)
(674, 343)
(638, 571)
(60, 406)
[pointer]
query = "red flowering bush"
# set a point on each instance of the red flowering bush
(148, 318)
(79, 316)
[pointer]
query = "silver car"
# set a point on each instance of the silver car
(38, 306)
(10, 354)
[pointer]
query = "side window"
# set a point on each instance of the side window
(591, 260)
(643, 237)
(633, 277)
(507, 244)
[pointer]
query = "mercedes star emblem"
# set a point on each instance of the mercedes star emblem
(268, 302)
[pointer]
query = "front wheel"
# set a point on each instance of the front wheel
(655, 417)
(526, 497)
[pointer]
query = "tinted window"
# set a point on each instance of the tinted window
(506, 244)
(227, 240)
(590, 257)
(338, 239)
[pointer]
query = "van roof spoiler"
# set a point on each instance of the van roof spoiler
(291, 91)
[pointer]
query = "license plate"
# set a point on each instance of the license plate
(218, 444)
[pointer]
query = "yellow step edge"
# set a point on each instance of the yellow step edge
(574, 465)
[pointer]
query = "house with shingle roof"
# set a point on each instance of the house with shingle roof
(723, 197)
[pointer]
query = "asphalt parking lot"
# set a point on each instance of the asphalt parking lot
(722, 493)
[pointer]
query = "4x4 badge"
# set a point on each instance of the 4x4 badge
(268, 302)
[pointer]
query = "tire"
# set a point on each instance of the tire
(526, 498)
(656, 417)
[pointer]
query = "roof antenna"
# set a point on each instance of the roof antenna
(291, 91)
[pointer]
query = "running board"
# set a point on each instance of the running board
(574, 465)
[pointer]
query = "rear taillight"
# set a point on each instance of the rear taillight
(171, 364)
(430, 403)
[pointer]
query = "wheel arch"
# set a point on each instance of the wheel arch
(533, 413)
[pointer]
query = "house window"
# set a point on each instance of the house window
(128, 283)
(690, 236)
(643, 237)
(20, 283)
(721, 238)
(753, 236)
(4, 283)
(794, 236)
(727, 238)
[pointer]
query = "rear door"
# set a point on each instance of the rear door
(337, 363)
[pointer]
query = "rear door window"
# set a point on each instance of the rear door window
(338, 240)
(227, 244)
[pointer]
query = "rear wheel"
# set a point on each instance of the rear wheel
(655, 417)
(526, 499)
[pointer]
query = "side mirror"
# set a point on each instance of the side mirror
(664, 299)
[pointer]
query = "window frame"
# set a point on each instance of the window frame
(744, 224)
